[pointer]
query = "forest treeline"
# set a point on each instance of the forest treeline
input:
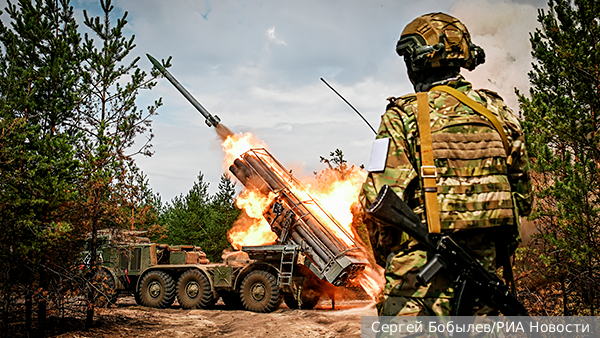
(70, 130)
(559, 271)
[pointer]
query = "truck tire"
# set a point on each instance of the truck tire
(310, 298)
(259, 292)
(193, 290)
(157, 289)
(136, 296)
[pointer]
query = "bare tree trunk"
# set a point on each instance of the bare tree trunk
(89, 316)
(5, 299)
(41, 329)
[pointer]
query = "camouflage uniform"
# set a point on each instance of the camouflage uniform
(479, 195)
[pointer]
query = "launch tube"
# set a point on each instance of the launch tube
(318, 247)
(332, 243)
(248, 178)
(335, 259)
(258, 166)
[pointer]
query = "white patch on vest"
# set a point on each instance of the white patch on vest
(379, 154)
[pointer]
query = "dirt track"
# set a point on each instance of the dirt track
(129, 320)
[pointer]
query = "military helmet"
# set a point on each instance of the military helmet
(438, 40)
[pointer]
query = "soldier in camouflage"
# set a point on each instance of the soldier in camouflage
(481, 188)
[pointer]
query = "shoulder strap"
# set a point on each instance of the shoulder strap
(428, 169)
(480, 110)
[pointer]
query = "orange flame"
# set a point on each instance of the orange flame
(251, 229)
(372, 281)
(336, 191)
(237, 144)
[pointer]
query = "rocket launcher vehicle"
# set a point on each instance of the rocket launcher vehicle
(299, 220)
(295, 217)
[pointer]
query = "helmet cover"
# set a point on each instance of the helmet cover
(438, 40)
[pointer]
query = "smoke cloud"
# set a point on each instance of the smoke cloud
(502, 29)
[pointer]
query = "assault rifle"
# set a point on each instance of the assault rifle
(472, 280)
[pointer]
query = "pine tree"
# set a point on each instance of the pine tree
(562, 121)
(224, 214)
(110, 122)
(336, 164)
(68, 126)
(39, 72)
(186, 216)
(200, 219)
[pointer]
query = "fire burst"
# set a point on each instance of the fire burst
(336, 191)
(235, 145)
(252, 229)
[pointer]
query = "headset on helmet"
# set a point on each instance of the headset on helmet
(438, 40)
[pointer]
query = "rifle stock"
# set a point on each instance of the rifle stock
(389, 208)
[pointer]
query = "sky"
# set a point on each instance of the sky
(258, 64)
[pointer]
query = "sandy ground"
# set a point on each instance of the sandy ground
(130, 320)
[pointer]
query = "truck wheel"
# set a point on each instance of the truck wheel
(259, 292)
(157, 289)
(310, 298)
(104, 287)
(136, 296)
(231, 299)
(193, 290)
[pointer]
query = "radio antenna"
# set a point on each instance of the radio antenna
(351, 106)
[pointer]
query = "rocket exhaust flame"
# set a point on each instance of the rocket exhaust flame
(252, 228)
(298, 219)
(279, 209)
(223, 131)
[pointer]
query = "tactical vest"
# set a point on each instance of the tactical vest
(470, 159)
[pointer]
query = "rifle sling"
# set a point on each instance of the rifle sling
(428, 169)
